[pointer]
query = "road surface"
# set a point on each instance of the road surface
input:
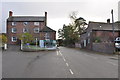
(62, 63)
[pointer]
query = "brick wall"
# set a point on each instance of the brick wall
(103, 47)
(105, 36)
(52, 35)
(107, 43)
(30, 26)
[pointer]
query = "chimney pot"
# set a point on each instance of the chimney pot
(10, 13)
(45, 18)
(108, 20)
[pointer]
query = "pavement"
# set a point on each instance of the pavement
(62, 63)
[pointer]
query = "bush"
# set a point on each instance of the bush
(26, 38)
(34, 43)
(97, 40)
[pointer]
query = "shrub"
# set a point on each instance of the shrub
(97, 40)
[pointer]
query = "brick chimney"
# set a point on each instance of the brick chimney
(108, 20)
(45, 18)
(10, 13)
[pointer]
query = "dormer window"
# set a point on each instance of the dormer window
(13, 23)
(36, 23)
(36, 30)
(25, 23)
(14, 30)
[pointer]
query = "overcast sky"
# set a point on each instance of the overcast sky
(59, 10)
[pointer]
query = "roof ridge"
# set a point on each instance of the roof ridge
(46, 28)
(96, 22)
(27, 16)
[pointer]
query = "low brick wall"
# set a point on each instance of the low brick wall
(103, 47)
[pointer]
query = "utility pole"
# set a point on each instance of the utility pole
(113, 30)
(113, 24)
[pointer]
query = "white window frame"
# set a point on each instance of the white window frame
(24, 30)
(25, 23)
(13, 23)
(36, 23)
(36, 28)
(12, 30)
(12, 39)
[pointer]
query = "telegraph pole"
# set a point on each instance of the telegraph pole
(113, 24)
(113, 31)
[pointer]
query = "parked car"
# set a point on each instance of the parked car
(117, 43)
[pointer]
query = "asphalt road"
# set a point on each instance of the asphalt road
(62, 63)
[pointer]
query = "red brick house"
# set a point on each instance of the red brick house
(35, 25)
(99, 36)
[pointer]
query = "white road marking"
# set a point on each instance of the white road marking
(57, 53)
(71, 71)
(67, 64)
(64, 59)
(111, 63)
(60, 53)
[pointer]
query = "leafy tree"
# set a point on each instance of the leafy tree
(26, 38)
(68, 35)
(4, 39)
(79, 23)
(71, 33)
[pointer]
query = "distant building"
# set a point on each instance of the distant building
(99, 36)
(35, 25)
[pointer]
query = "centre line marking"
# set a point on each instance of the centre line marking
(67, 64)
(64, 59)
(60, 53)
(71, 71)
